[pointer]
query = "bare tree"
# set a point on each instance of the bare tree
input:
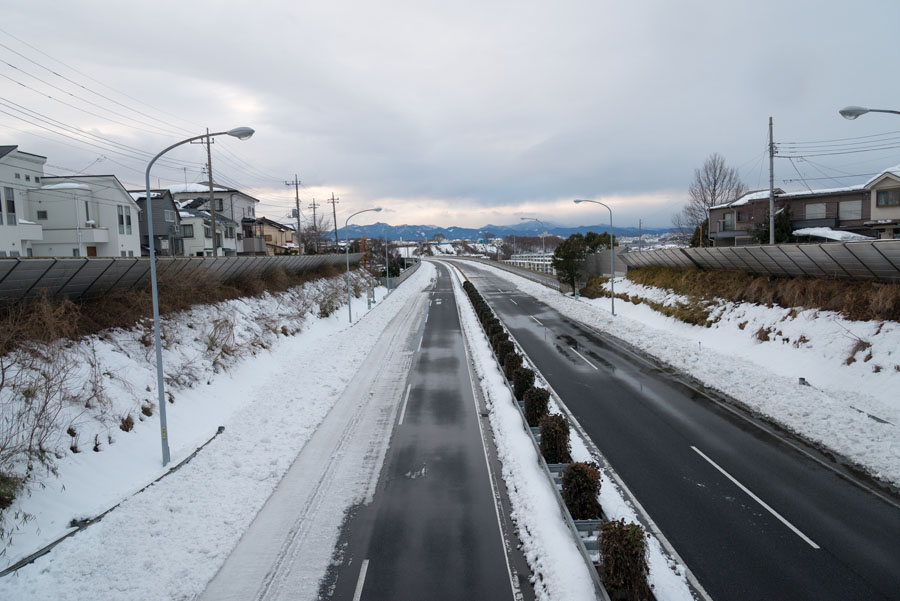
(316, 237)
(714, 183)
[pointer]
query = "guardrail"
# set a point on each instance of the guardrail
(877, 260)
(80, 278)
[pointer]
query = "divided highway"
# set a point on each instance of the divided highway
(753, 515)
(433, 530)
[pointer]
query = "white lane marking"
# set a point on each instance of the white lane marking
(584, 359)
(758, 500)
(362, 580)
(536, 320)
(420, 342)
(403, 406)
(514, 302)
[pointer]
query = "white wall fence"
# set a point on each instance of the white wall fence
(78, 278)
(877, 260)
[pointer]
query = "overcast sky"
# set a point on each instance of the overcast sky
(456, 113)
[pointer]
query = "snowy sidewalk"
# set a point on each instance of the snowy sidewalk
(289, 545)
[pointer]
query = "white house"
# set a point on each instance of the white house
(84, 216)
(196, 233)
(238, 207)
(20, 172)
(884, 198)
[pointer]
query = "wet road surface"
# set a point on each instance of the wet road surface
(432, 530)
(753, 515)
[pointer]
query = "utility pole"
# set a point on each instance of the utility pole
(334, 202)
(640, 238)
(771, 186)
(314, 206)
(296, 184)
(212, 197)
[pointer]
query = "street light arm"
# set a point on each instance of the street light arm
(852, 112)
(612, 254)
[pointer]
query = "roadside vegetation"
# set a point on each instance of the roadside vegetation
(59, 394)
(855, 300)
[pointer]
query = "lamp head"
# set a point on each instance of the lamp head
(852, 112)
(579, 201)
(241, 133)
(377, 209)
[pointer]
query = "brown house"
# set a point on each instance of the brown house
(278, 236)
(840, 209)
(884, 200)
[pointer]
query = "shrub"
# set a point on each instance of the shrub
(511, 362)
(623, 567)
(504, 349)
(555, 439)
(497, 339)
(580, 487)
(9, 487)
(537, 401)
(523, 379)
(126, 424)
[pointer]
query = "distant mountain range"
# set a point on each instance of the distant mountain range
(530, 228)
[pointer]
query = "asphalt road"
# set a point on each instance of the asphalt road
(753, 516)
(433, 530)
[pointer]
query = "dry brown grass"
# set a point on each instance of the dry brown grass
(857, 300)
(45, 319)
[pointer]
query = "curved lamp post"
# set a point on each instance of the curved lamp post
(852, 112)
(347, 252)
(241, 133)
(612, 256)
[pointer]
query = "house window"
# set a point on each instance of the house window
(729, 221)
(850, 209)
(220, 205)
(229, 232)
(207, 233)
(170, 215)
(741, 216)
(10, 206)
(27, 178)
(127, 220)
(18, 176)
(268, 237)
(37, 180)
(2, 253)
(42, 215)
(87, 211)
(187, 230)
(887, 198)
(76, 252)
(121, 211)
(123, 253)
(130, 253)
(815, 210)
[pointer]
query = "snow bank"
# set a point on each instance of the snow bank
(168, 541)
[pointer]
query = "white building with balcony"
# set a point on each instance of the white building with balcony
(238, 207)
(84, 216)
(20, 172)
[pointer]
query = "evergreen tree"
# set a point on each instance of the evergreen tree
(568, 259)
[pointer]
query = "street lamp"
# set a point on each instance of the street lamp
(852, 112)
(612, 256)
(241, 133)
(543, 227)
(347, 252)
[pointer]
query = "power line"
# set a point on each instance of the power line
(64, 91)
(94, 80)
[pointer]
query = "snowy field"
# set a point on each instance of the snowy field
(852, 368)
(168, 541)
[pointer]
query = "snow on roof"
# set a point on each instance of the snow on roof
(66, 186)
(895, 171)
(830, 234)
(193, 188)
(779, 193)
(140, 195)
